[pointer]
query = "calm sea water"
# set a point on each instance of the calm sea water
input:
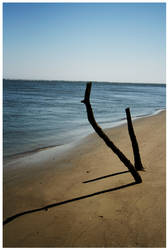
(38, 114)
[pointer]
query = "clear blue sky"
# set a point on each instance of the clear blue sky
(123, 42)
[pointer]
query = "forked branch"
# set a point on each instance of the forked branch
(108, 142)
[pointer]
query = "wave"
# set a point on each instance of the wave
(29, 152)
(48, 114)
(117, 123)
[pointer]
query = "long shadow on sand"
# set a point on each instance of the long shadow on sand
(106, 176)
(11, 218)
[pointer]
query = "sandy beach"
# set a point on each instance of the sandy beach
(108, 212)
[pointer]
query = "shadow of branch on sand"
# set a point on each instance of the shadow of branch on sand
(106, 176)
(11, 218)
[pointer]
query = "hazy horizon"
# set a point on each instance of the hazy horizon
(59, 80)
(102, 42)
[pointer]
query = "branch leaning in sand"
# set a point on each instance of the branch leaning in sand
(137, 159)
(108, 142)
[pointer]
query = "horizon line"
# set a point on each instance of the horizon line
(22, 79)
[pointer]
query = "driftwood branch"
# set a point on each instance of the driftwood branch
(137, 159)
(108, 142)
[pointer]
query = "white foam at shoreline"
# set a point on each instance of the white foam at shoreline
(57, 152)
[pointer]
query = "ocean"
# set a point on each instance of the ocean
(40, 114)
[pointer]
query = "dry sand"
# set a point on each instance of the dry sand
(134, 216)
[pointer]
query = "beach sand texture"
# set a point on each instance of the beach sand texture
(114, 215)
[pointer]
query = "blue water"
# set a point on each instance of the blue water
(38, 114)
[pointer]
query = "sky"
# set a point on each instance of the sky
(115, 42)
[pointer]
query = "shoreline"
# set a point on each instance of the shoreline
(97, 206)
(123, 121)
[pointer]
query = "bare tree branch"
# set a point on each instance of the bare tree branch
(137, 159)
(108, 142)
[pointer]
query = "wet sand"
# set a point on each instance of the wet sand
(106, 212)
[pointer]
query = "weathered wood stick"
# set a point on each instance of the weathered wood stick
(137, 159)
(108, 142)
